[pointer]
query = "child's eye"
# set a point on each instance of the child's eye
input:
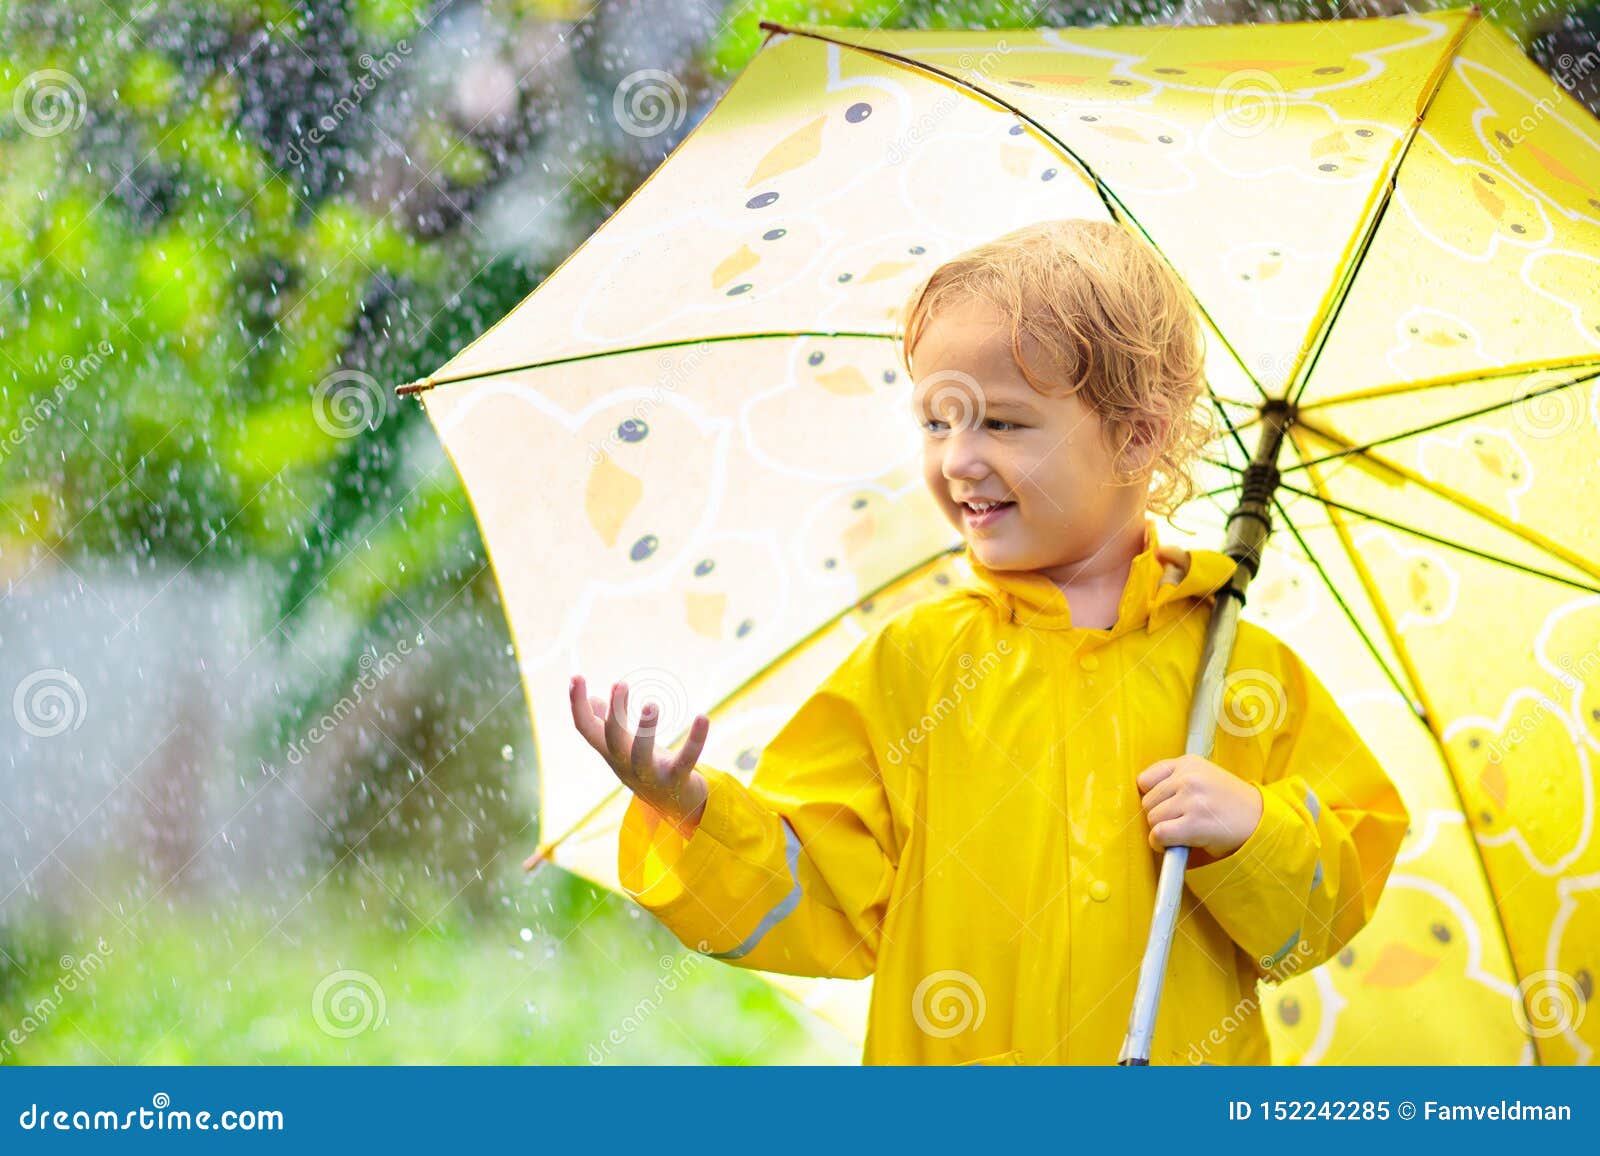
(934, 425)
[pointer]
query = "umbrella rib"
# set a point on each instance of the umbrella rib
(1521, 567)
(1300, 377)
(1471, 505)
(430, 382)
(1442, 422)
(1372, 647)
(1473, 376)
(1233, 430)
(547, 848)
(1107, 195)
(1428, 717)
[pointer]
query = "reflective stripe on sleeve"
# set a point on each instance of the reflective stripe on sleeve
(791, 851)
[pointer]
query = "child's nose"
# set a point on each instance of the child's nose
(963, 457)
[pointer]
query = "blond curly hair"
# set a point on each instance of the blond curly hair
(1111, 320)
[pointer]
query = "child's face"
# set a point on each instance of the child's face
(988, 434)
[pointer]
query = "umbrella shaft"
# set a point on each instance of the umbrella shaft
(1249, 525)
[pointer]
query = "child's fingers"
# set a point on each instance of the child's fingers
(1171, 809)
(642, 755)
(689, 754)
(616, 734)
(1160, 793)
(1155, 773)
(1172, 833)
(583, 716)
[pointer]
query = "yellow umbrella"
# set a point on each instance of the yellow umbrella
(691, 456)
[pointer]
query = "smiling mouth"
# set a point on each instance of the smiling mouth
(985, 514)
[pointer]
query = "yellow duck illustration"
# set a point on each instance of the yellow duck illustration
(1431, 343)
(1383, 991)
(1526, 783)
(1486, 464)
(1469, 206)
(1566, 647)
(1553, 158)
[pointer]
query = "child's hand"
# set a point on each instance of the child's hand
(667, 782)
(1191, 802)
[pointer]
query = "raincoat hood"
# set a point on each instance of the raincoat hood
(1160, 580)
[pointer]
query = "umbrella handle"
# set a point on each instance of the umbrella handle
(1153, 971)
(1249, 526)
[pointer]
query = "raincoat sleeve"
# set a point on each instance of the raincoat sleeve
(791, 873)
(1309, 877)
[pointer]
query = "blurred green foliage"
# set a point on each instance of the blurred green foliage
(243, 987)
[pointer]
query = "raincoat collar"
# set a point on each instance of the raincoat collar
(1160, 580)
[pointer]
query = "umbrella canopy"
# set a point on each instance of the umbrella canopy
(693, 460)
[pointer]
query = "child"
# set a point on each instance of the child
(971, 807)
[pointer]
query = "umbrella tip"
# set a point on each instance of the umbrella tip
(543, 855)
(417, 386)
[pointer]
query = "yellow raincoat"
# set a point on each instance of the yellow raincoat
(954, 812)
